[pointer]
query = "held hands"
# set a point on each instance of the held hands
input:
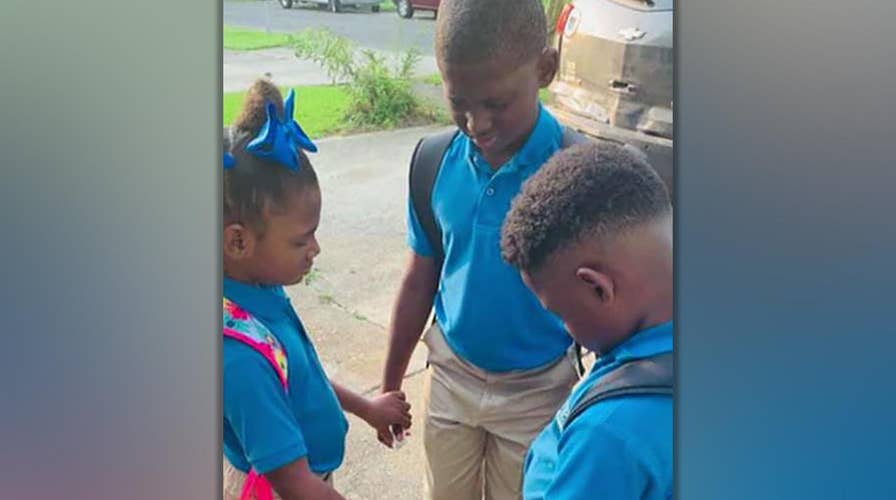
(387, 412)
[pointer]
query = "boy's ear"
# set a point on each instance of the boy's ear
(548, 63)
(600, 283)
(239, 241)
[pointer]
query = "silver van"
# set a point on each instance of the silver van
(615, 80)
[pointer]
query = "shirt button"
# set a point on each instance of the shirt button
(490, 191)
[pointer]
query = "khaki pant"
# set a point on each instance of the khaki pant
(235, 478)
(477, 425)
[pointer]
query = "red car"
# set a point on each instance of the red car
(406, 8)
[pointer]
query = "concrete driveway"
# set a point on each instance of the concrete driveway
(346, 303)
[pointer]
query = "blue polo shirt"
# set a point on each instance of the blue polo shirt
(617, 449)
(488, 315)
(263, 426)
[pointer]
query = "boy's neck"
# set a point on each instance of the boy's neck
(656, 290)
(657, 315)
(652, 317)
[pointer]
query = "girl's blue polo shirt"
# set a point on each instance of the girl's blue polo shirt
(488, 315)
(263, 426)
(620, 448)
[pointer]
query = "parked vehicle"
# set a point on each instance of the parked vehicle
(615, 80)
(334, 5)
(406, 8)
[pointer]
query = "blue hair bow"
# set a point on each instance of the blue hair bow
(229, 161)
(278, 140)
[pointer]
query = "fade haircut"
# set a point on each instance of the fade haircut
(254, 185)
(588, 190)
(474, 31)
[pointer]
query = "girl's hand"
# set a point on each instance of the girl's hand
(385, 411)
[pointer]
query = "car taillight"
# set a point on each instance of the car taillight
(564, 16)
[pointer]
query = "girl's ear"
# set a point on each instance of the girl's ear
(239, 242)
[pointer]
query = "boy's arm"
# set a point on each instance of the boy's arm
(409, 315)
(295, 481)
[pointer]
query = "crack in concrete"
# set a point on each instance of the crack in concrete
(332, 300)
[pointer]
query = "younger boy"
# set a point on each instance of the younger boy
(591, 234)
(499, 364)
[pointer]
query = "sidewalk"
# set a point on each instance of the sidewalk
(241, 68)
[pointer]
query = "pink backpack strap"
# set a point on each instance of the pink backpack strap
(243, 327)
(257, 487)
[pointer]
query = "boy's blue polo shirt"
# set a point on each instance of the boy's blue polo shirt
(620, 448)
(263, 426)
(488, 315)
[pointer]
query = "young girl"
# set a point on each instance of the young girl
(284, 429)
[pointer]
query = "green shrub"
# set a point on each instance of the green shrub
(380, 94)
(332, 52)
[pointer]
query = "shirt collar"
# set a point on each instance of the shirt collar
(646, 343)
(268, 302)
(542, 142)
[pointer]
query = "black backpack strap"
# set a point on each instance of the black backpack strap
(572, 137)
(425, 164)
(646, 376)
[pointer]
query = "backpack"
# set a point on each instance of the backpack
(241, 326)
(646, 376)
(425, 164)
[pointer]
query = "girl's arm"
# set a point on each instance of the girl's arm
(295, 481)
(351, 401)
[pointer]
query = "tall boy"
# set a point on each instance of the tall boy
(591, 233)
(499, 363)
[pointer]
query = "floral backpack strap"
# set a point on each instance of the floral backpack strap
(243, 327)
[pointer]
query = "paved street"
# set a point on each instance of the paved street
(382, 31)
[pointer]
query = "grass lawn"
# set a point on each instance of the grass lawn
(433, 79)
(250, 39)
(387, 6)
(319, 108)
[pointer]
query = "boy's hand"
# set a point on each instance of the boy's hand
(385, 411)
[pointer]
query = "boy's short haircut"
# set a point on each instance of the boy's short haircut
(473, 31)
(253, 184)
(588, 190)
